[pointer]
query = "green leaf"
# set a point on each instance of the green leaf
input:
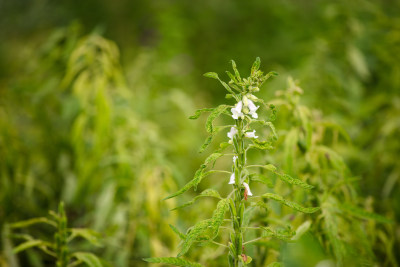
(291, 204)
(180, 234)
(28, 244)
(218, 215)
(269, 75)
(201, 229)
(23, 224)
(290, 180)
(205, 193)
(199, 112)
(208, 141)
(214, 114)
(198, 176)
(90, 259)
(302, 229)
(233, 78)
(273, 112)
(284, 235)
(212, 75)
(173, 261)
(88, 234)
(235, 70)
(363, 214)
(256, 66)
(262, 145)
(287, 178)
(212, 158)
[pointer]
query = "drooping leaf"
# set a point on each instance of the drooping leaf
(206, 229)
(193, 183)
(90, 259)
(206, 143)
(209, 139)
(214, 114)
(28, 244)
(262, 145)
(218, 215)
(199, 112)
(173, 261)
(269, 75)
(88, 234)
(291, 204)
(287, 178)
(290, 180)
(212, 158)
(284, 235)
(205, 193)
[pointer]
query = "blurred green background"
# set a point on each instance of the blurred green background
(95, 98)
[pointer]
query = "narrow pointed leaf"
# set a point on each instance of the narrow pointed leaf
(201, 230)
(193, 183)
(23, 224)
(28, 244)
(198, 112)
(180, 234)
(291, 204)
(89, 258)
(256, 65)
(214, 114)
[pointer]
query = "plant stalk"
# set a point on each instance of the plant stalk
(238, 209)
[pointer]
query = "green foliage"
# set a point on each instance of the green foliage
(207, 229)
(58, 247)
(111, 138)
(288, 203)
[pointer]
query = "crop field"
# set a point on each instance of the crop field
(200, 133)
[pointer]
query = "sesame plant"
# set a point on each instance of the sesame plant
(59, 247)
(347, 228)
(241, 201)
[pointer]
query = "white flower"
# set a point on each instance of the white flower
(237, 111)
(253, 108)
(251, 134)
(232, 179)
(234, 159)
(232, 132)
(248, 189)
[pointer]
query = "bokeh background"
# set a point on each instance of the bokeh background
(95, 98)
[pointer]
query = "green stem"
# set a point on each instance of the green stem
(237, 215)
